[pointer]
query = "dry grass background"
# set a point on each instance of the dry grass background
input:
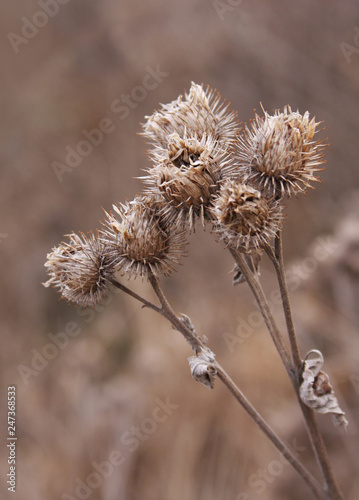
(107, 379)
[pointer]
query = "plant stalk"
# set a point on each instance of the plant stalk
(197, 345)
(262, 303)
(133, 294)
(277, 259)
(280, 445)
(331, 486)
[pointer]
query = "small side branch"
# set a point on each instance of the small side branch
(133, 294)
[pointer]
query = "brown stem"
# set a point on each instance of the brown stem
(197, 346)
(133, 294)
(281, 446)
(277, 259)
(332, 489)
(317, 442)
(167, 311)
(258, 293)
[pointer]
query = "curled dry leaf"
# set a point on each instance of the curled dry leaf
(202, 367)
(316, 391)
(186, 320)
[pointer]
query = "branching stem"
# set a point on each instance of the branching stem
(281, 446)
(331, 486)
(197, 345)
(262, 302)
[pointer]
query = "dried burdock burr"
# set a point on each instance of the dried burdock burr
(245, 219)
(81, 269)
(139, 240)
(186, 174)
(279, 154)
(198, 113)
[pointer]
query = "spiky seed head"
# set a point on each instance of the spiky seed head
(139, 240)
(200, 112)
(80, 269)
(186, 174)
(279, 154)
(244, 218)
(185, 190)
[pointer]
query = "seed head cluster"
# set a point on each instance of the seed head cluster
(192, 140)
(201, 167)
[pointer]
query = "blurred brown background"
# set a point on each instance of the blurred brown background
(82, 400)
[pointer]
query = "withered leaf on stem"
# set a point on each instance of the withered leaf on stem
(202, 367)
(316, 391)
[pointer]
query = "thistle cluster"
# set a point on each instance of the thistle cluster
(202, 166)
(134, 240)
(192, 142)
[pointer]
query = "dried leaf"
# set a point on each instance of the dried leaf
(186, 320)
(202, 367)
(316, 391)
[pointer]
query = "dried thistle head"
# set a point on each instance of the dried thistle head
(140, 241)
(186, 175)
(200, 112)
(80, 269)
(279, 154)
(244, 218)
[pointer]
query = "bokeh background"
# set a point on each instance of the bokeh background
(87, 400)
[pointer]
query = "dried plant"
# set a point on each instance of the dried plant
(279, 154)
(186, 175)
(239, 183)
(244, 219)
(80, 269)
(198, 113)
(142, 242)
